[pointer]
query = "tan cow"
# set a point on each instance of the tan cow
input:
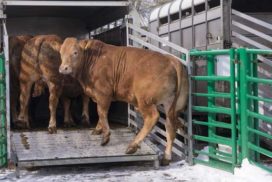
(40, 63)
(140, 77)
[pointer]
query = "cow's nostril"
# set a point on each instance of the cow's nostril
(66, 68)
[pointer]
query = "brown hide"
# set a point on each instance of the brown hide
(140, 77)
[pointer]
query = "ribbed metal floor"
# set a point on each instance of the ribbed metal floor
(38, 148)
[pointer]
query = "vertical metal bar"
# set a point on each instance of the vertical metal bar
(256, 105)
(3, 134)
(206, 23)
(189, 114)
(226, 23)
(233, 107)
(193, 26)
(250, 104)
(127, 33)
(6, 52)
(169, 22)
(127, 44)
(180, 20)
(211, 101)
(159, 24)
(238, 107)
(243, 101)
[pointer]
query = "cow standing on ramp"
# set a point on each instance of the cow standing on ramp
(40, 64)
(140, 77)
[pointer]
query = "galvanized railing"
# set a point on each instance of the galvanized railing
(182, 145)
(257, 33)
(3, 131)
(251, 117)
(217, 155)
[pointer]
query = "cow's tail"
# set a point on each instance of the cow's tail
(182, 89)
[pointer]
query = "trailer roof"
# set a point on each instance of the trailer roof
(93, 13)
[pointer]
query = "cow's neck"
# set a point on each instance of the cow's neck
(88, 63)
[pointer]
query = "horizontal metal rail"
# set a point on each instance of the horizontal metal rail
(213, 140)
(260, 116)
(214, 123)
(249, 41)
(260, 133)
(211, 78)
(65, 3)
(259, 80)
(260, 150)
(210, 52)
(252, 30)
(259, 98)
(222, 110)
(252, 19)
(160, 40)
(214, 156)
(264, 60)
(215, 94)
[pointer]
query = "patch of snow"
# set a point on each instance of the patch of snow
(252, 173)
(177, 171)
(204, 157)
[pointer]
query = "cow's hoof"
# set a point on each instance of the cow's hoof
(69, 124)
(52, 130)
(96, 132)
(105, 140)
(85, 121)
(165, 162)
(19, 124)
(132, 149)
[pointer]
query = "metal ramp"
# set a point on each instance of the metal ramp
(69, 147)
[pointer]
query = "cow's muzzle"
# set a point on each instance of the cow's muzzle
(65, 70)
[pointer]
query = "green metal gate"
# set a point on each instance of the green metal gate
(244, 136)
(251, 117)
(3, 131)
(216, 156)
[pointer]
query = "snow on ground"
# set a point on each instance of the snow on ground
(179, 171)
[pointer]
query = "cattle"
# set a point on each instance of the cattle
(139, 77)
(16, 44)
(39, 64)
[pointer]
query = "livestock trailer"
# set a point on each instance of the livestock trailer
(174, 28)
(76, 146)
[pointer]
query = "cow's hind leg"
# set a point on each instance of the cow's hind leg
(102, 109)
(85, 111)
(53, 103)
(150, 115)
(170, 137)
(68, 120)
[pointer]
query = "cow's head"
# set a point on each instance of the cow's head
(72, 55)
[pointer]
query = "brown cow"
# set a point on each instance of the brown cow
(140, 77)
(40, 63)
(16, 44)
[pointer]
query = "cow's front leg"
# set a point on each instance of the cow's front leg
(85, 111)
(53, 103)
(150, 115)
(98, 129)
(102, 109)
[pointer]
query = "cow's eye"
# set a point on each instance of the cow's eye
(75, 53)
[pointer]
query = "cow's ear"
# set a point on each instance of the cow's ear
(83, 43)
